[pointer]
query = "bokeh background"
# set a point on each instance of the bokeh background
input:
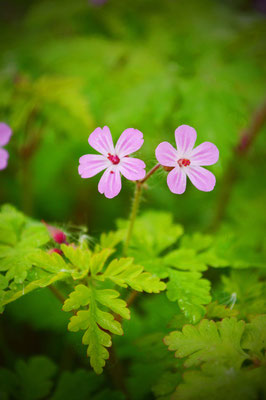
(69, 66)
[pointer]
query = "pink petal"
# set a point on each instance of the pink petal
(5, 133)
(201, 178)
(204, 154)
(92, 164)
(3, 158)
(177, 180)
(185, 138)
(130, 141)
(166, 154)
(110, 183)
(132, 168)
(101, 140)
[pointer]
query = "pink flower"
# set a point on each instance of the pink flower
(114, 160)
(5, 135)
(187, 161)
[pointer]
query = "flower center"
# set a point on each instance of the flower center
(183, 162)
(114, 159)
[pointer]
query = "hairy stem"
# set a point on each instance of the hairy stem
(135, 206)
(246, 140)
(133, 214)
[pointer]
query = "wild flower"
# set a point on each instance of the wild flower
(5, 135)
(187, 161)
(114, 160)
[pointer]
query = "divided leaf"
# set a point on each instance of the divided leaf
(98, 324)
(124, 273)
(215, 343)
(190, 291)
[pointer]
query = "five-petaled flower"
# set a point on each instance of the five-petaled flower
(114, 160)
(5, 135)
(187, 161)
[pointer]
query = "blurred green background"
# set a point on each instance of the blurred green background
(69, 66)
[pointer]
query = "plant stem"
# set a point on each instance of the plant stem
(135, 206)
(133, 214)
(230, 176)
(57, 293)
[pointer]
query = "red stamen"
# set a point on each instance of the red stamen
(114, 159)
(183, 162)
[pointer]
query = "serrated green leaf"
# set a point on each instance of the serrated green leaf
(197, 241)
(124, 273)
(79, 258)
(153, 233)
(98, 260)
(79, 297)
(35, 377)
(95, 321)
(248, 292)
(16, 291)
(216, 343)
(185, 259)
(111, 239)
(109, 298)
(254, 337)
(190, 291)
(215, 310)
(212, 382)
(51, 262)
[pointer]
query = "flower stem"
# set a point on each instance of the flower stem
(134, 211)
(135, 206)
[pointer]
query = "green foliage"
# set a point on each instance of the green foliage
(220, 349)
(19, 238)
(36, 380)
(211, 342)
(30, 381)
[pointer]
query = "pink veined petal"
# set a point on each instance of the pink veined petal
(3, 158)
(132, 168)
(177, 180)
(110, 183)
(201, 178)
(130, 141)
(5, 133)
(185, 137)
(166, 154)
(101, 140)
(204, 154)
(92, 164)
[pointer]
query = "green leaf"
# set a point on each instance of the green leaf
(197, 241)
(79, 258)
(248, 292)
(20, 290)
(95, 321)
(50, 262)
(19, 239)
(153, 232)
(190, 291)
(111, 239)
(81, 296)
(216, 343)
(185, 259)
(215, 310)
(212, 382)
(124, 273)
(35, 377)
(254, 338)
(78, 385)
